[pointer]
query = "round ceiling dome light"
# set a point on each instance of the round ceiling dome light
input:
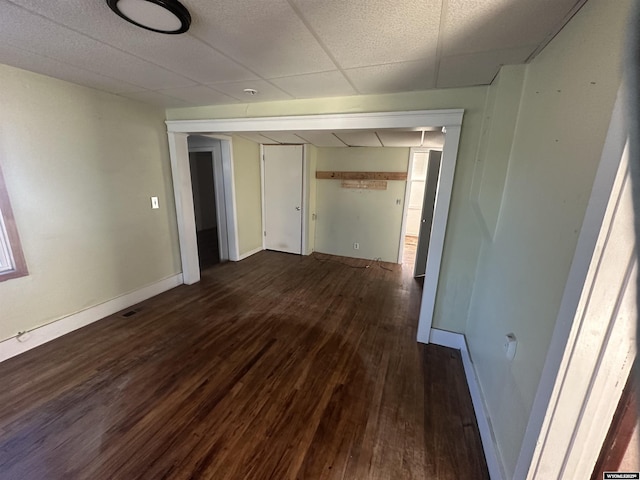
(163, 16)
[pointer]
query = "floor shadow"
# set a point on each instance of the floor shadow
(208, 248)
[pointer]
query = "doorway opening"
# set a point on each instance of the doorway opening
(208, 193)
(420, 199)
(204, 208)
(448, 121)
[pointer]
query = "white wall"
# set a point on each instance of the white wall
(80, 167)
(372, 218)
(501, 116)
(565, 109)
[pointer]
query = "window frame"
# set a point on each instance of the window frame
(9, 237)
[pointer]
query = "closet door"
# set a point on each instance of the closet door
(283, 197)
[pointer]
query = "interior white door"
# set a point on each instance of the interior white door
(426, 218)
(283, 197)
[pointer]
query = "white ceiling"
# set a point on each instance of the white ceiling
(351, 138)
(283, 48)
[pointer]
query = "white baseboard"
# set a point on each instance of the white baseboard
(12, 347)
(249, 253)
(447, 339)
(458, 341)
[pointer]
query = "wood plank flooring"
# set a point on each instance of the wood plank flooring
(409, 253)
(276, 367)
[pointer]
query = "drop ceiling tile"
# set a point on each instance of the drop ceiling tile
(198, 95)
(325, 84)
(155, 98)
(433, 140)
(480, 25)
(256, 137)
(14, 56)
(267, 37)
(283, 137)
(356, 138)
(237, 40)
(192, 59)
(360, 138)
(321, 139)
(362, 33)
(393, 77)
(39, 35)
(477, 68)
(266, 91)
(179, 53)
(396, 138)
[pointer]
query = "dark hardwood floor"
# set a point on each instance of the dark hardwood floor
(276, 367)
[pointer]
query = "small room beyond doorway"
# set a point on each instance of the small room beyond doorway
(422, 185)
(204, 206)
(210, 202)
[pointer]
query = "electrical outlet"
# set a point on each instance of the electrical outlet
(356, 246)
(510, 345)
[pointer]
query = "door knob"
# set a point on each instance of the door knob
(298, 208)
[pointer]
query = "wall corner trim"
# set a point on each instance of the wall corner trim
(458, 341)
(11, 347)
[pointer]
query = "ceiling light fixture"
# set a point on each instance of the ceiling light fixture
(162, 16)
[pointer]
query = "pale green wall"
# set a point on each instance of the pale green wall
(463, 239)
(566, 107)
(501, 116)
(371, 218)
(80, 168)
(247, 183)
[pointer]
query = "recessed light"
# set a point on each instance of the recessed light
(163, 16)
(250, 91)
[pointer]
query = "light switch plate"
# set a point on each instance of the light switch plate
(154, 202)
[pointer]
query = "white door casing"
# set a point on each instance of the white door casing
(183, 197)
(221, 210)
